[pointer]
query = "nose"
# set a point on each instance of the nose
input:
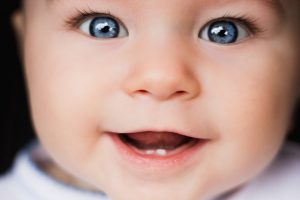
(162, 76)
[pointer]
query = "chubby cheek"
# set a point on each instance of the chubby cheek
(253, 112)
(65, 92)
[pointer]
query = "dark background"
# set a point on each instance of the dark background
(15, 123)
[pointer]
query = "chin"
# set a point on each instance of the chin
(157, 191)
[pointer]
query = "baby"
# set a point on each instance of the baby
(159, 100)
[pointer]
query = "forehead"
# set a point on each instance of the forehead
(273, 4)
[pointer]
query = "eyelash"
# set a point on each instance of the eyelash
(250, 23)
(82, 15)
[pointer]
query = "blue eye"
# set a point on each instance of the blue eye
(103, 27)
(224, 32)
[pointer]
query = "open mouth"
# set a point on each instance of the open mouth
(157, 144)
(157, 152)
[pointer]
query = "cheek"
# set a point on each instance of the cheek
(65, 92)
(251, 104)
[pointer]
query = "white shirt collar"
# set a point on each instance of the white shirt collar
(41, 185)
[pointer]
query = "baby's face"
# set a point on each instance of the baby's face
(161, 99)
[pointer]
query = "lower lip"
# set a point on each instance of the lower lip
(179, 158)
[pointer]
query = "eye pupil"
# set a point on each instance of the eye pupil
(104, 27)
(223, 32)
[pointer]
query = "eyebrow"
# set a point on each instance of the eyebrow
(272, 4)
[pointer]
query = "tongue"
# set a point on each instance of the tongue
(157, 140)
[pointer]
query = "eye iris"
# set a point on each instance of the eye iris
(223, 32)
(104, 27)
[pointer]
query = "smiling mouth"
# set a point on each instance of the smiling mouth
(158, 153)
(157, 144)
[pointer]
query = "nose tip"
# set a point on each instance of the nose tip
(162, 84)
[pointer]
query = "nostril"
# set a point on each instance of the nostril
(174, 95)
(179, 93)
(142, 91)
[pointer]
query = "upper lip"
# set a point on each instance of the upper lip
(141, 130)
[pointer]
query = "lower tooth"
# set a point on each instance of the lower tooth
(160, 152)
(150, 152)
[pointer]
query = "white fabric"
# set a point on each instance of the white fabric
(27, 182)
(280, 181)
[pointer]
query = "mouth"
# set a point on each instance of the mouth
(155, 149)
(160, 144)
